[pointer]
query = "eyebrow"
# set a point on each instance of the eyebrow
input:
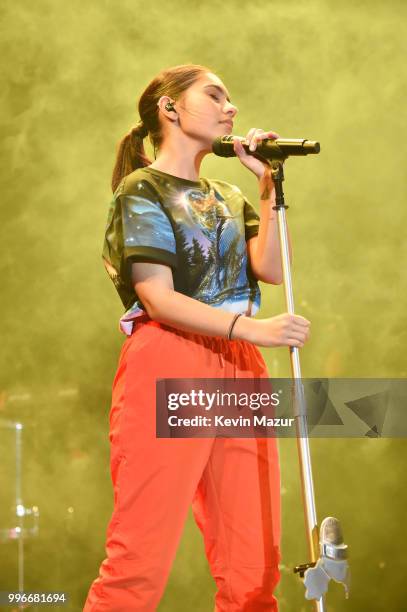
(219, 89)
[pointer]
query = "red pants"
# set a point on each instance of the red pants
(233, 484)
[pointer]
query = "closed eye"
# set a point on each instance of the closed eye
(214, 96)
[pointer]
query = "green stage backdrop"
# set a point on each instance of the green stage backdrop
(323, 70)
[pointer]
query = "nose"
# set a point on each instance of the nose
(231, 109)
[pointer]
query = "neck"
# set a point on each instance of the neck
(179, 160)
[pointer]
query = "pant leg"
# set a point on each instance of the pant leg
(237, 508)
(154, 479)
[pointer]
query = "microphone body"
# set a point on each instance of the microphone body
(269, 148)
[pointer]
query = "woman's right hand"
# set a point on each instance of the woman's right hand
(282, 330)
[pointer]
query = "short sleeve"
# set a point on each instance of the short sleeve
(251, 220)
(147, 231)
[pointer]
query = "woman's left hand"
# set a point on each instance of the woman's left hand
(254, 135)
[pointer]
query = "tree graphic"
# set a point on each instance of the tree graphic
(198, 268)
(183, 257)
(212, 272)
(209, 282)
(233, 262)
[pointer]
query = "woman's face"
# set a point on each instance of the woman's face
(205, 110)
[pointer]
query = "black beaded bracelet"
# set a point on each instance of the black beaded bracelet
(235, 318)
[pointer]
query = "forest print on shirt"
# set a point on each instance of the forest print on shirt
(199, 228)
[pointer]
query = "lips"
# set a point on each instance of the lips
(228, 123)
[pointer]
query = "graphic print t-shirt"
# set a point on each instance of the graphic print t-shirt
(198, 228)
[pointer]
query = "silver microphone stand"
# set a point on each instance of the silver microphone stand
(300, 408)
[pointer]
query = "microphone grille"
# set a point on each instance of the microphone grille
(331, 531)
(223, 146)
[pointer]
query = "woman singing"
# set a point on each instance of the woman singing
(185, 254)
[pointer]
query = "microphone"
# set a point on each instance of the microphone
(331, 539)
(332, 564)
(269, 148)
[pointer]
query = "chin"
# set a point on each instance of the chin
(222, 129)
(226, 128)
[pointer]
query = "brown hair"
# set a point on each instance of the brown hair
(170, 82)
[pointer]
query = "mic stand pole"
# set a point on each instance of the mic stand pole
(300, 409)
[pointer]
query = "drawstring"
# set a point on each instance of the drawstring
(221, 359)
(224, 348)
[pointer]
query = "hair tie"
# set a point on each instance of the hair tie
(140, 130)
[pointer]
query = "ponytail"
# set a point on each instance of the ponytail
(130, 154)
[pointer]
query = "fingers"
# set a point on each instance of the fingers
(294, 319)
(286, 330)
(250, 135)
(295, 342)
(299, 320)
(297, 336)
(300, 326)
(238, 147)
(297, 330)
(255, 135)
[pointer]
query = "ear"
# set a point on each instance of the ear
(162, 103)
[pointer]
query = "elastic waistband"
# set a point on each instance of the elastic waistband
(146, 320)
